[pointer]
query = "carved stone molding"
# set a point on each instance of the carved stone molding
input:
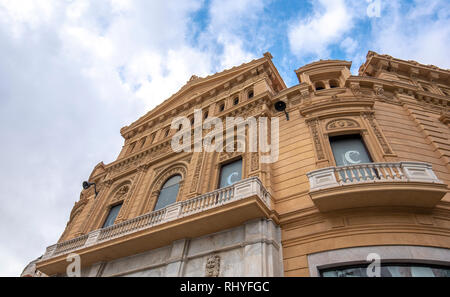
(213, 266)
(355, 88)
(177, 169)
(314, 126)
(384, 145)
(378, 90)
(254, 161)
(342, 124)
(196, 176)
(121, 193)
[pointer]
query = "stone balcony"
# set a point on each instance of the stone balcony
(376, 184)
(212, 212)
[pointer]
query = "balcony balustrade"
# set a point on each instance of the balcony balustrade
(203, 205)
(376, 184)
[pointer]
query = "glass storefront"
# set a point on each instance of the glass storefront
(390, 270)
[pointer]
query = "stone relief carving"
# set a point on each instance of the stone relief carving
(342, 124)
(173, 171)
(213, 266)
(120, 194)
(230, 151)
(356, 89)
(379, 91)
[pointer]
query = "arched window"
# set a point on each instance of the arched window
(236, 101)
(169, 192)
(112, 215)
(334, 84)
(319, 86)
(250, 94)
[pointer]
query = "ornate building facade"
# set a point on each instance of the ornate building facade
(362, 169)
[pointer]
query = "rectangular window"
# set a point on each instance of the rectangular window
(349, 150)
(113, 212)
(230, 173)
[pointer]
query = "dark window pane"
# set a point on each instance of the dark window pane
(230, 174)
(169, 192)
(113, 212)
(349, 150)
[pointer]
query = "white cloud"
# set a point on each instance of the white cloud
(63, 101)
(349, 45)
(75, 73)
(234, 28)
(420, 32)
(329, 22)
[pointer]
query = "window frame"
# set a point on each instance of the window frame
(162, 187)
(349, 135)
(110, 208)
(228, 162)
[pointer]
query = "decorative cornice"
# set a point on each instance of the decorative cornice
(392, 63)
(341, 105)
(163, 148)
(146, 121)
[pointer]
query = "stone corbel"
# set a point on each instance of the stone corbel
(356, 88)
(445, 117)
(433, 76)
(378, 90)
(393, 66)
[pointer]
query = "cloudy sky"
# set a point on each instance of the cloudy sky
(73, 72)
